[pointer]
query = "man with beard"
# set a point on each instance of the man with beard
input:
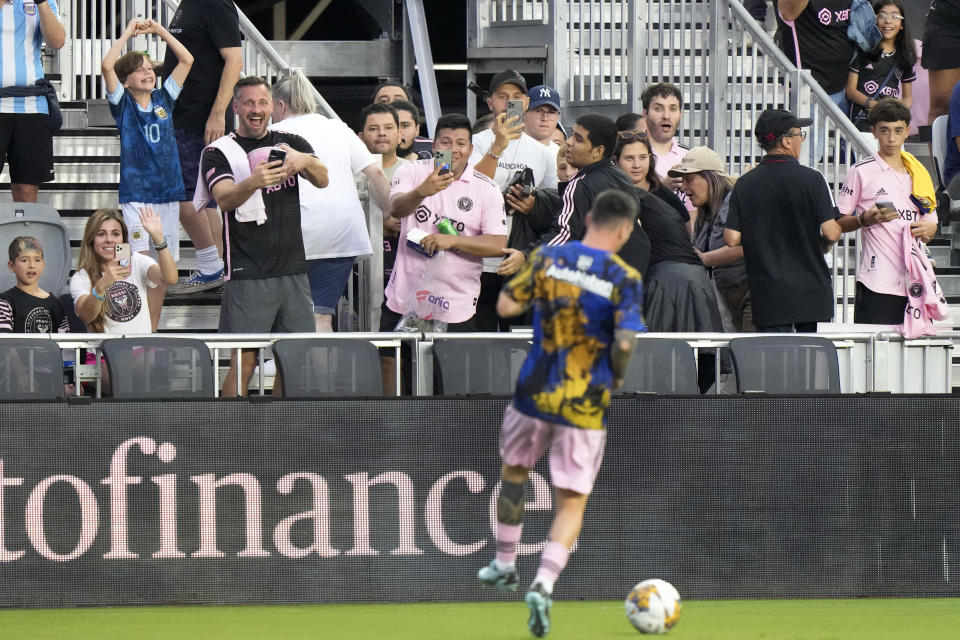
(409, 120)
(267, 290)
(662, 110)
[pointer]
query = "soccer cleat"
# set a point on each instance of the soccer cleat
(539, 603)
(197, 282)
(490, 576)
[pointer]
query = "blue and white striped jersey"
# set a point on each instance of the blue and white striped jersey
(20, 43)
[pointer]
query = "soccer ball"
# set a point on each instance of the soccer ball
(653, 606)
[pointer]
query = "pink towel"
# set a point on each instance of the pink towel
(925, 301)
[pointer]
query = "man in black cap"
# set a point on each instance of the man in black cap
(500, 153)
(784, 215)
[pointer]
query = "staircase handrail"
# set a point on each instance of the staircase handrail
(263, 47)
(822, 98)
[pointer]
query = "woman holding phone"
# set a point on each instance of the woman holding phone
(110, 286)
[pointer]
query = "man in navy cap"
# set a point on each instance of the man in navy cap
(784, 216)
(503, 153)
(543, 115)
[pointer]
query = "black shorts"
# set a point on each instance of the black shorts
(870, 307)
(26, 143)
(190, 146)
(941, 47)
(389, 319)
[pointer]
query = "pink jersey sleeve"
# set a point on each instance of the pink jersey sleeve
(493, 220)
(848, 199)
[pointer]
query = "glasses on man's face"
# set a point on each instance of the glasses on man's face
(633, 136)
(800, 134)
(889, 16)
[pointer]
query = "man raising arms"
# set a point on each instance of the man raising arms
(586, 311)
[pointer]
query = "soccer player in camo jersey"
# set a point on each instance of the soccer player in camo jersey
(587, 305)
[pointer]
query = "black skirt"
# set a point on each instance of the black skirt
(679, 297)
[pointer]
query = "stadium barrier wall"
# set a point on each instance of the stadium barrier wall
(375, 500)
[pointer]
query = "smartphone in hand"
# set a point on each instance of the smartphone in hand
(123, 254)
(443, 159)
(515, 109)
(277, 154)
(886, 205)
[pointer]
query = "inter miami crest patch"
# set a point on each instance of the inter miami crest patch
(465, 203)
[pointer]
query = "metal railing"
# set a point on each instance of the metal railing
(93, 26)
(869, 362)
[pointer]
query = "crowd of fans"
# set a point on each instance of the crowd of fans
(464, 211)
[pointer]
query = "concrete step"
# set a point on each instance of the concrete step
(87, 142)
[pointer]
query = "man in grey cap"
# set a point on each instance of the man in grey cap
(502, 152)
(543, 115)
(784, 216)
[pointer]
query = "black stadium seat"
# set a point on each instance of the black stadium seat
(325, 367)
(154, 368)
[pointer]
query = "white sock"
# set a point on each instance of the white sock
(500, 565)
(208, 260)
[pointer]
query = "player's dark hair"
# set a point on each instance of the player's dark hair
(250, 81)
(612, 208)
(378, 107)
(23, 243)
(406, 105)
(888, 110)
(400, 85)
(130, 62)
(628, 121)
(660, 90)
(601, 130)
(453, 121)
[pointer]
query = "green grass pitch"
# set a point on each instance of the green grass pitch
(866, 619)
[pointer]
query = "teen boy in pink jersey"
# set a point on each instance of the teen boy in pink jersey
(422, 195)
(890, 177)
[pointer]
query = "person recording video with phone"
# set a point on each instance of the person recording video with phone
(500, 153)
(461, 212)
(253, 174)
(109, 289)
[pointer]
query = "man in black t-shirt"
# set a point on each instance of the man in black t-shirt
(210, 30)
(267, 290)
(784, 215)
(813, 35)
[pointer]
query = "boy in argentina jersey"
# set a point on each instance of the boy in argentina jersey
(149, 163)
(587, 306)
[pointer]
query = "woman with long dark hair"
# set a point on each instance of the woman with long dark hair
(634, 155)
(887, 71)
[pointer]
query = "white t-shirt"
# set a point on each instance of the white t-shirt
(523, 152)
(125, 310)
(331, 218)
